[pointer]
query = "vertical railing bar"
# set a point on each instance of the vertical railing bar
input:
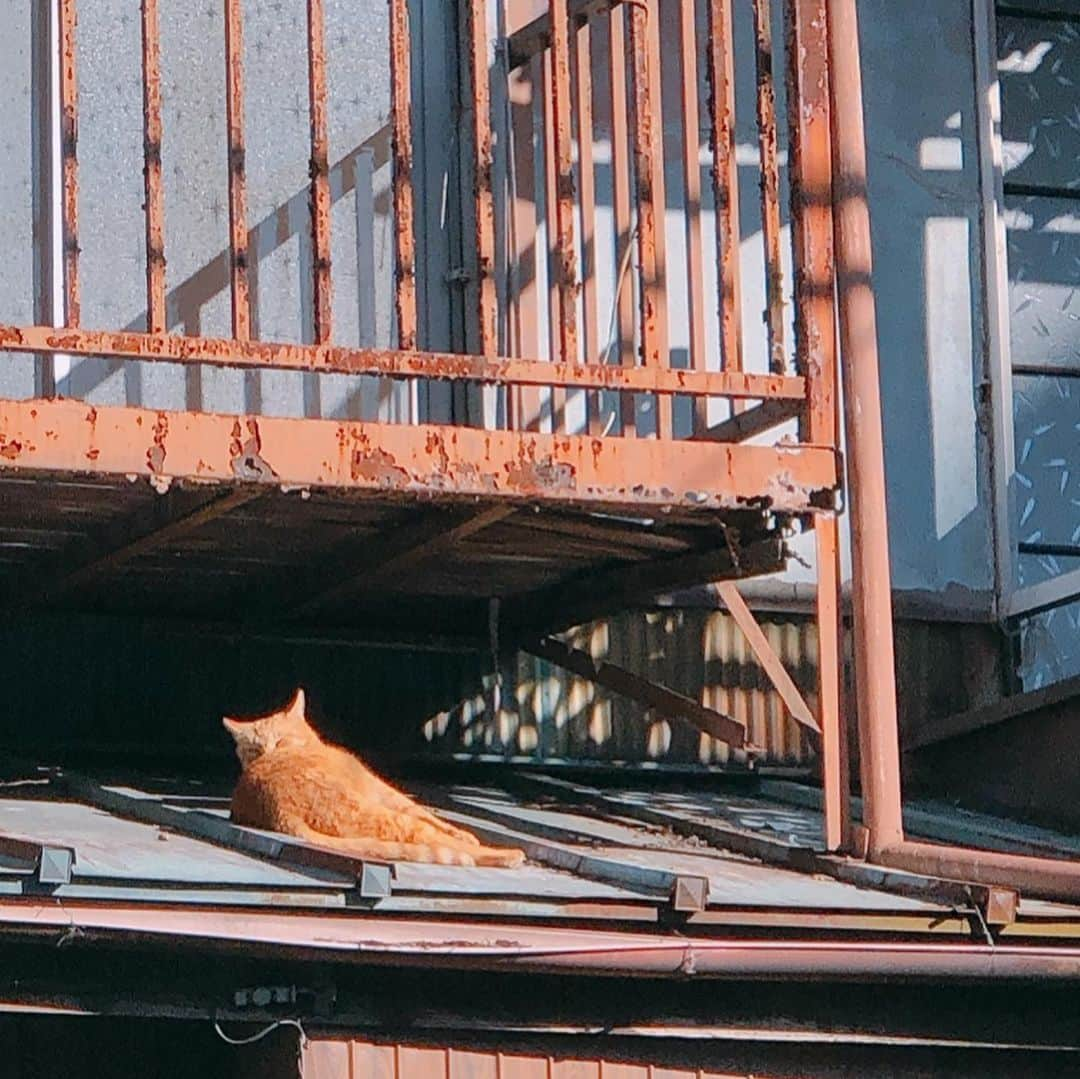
(69, 136)
(322, 288)
(770, 186)
(810, 178)
(692, 198)
(725, 178)
(525, 399)
(646, 153)
(582, 50)
(551, 179)
(155, 211)
(238, 232)
(401, 156)
(663, 402)
(623, 219)
(487, 300)
(563, 194)
(45, 207)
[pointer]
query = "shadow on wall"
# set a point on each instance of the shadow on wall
(541, 711)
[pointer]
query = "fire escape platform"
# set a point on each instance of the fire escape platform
(276, 521)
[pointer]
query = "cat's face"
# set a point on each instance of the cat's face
(254, 737)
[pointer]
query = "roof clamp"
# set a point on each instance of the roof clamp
(689, 895)
(375, 880)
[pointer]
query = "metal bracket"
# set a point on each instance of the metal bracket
(52, 864)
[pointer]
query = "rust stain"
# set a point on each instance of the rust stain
(11, 450)
(93, 455)
(245, 453)
(470, 477)
(546, 474)
(377, 466)
(435, 448)
(155, 455)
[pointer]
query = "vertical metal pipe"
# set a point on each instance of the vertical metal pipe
(725, 177)
(483, 197)
(879, 750)
(69, 162)
(238, 231)
(835, 764)
(620, 187)
(155, 211)
(563, 194)
(770, 185)
(688, 98)
(401, 156)
(322, 292)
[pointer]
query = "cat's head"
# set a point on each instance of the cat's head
(286, 728)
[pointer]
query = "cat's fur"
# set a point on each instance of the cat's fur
(295, 783)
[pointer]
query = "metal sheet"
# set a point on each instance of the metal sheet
(108, 848)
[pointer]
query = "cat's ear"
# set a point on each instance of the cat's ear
(231, 725)
(298, 707)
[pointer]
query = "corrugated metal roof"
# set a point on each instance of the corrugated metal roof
(626, 856)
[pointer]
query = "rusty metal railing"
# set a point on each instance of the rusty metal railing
(644, 108)
(576, 73)
(560, 79)
(567, 82)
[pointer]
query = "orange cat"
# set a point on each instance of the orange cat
(295, 783)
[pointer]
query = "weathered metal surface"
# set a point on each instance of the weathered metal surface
(72, 436)
(155, 208)
(108, 848)
(402, 158)
(645, 150)
(417, 941)
(483, 195)
(332, 358)
(69, 161)
(581, 49)
(811, 178)
(563, 192)
(691, 165)
(725, 177)
(622, 218)
(811, 191)
(770, 185)
(238, 229)
(524, 336)
(652, 41)
(322, 294)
